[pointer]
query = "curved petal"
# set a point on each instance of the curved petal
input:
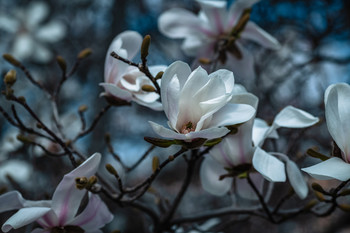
(236, 10)
(269, 166)
(157, 106)
(210, 172)
(23, 217)
(66, 199)
(255, 33)
(337, 101)
(116, 91)
(36, 13)
(260, 132)
(94, 216)
(291, 117)
(232, 114)
(179, 23)
(131, 42)
(11, 201)
(333, 168)
(51, 32)
(216, 13)
(226, 76)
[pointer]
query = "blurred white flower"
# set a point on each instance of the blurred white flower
(203, 33)
(197, 104)
(125, 82)
(31, 36)
(337, 103)
(19, 170)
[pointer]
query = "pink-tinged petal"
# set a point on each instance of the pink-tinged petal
(66, 199)
(180, 23)
(117, 91)
(173, 80)
(226, 76)
(236, 10)
(291, 117)
(210, 172)
(216, 14)
(24, 217)
(94, 216)
(337, 101)
(254, 33)
(294, 175)
(333, 168)
(232, 114)
(269, 166)
(51, 32)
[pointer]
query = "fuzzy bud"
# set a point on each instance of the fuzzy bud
(155, 163)
(84, 53)
(159, 75)
(62, 63)
(145, 46)
(10, 77)
(111, 169)
(11, 59)
(148, 88)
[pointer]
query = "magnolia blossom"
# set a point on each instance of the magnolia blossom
(337, 103)
(125, 82)
(198, 104)
(204, 32)
(243, 148)
(31, 35)
(60, 213)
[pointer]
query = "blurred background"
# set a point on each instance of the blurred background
(315, 39)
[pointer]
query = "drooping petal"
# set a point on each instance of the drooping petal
(11, 201)
(269, 166)
(232, 114)
(94, 216)
(257, 34)
(179, 23)
(210, 172)
(236, 10)
(291, 117)
(333, 168)
(23, 217)
(117, 91)
(66, 199)
(51, 32)
(337, 101)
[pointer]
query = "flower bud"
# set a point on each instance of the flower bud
(84, 53)
(145, 46)
(62, 63)
(81, 182)
(155, 163)
(148, 88)
(310, 204)
(204, 61)
(344, 207)
(318, 188)
(111, 169)
(24, 139)
(10, 77)
(82, 108)
(159, 75)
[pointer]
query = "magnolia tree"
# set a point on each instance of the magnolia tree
(214, 161)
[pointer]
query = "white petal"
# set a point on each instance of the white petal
(236, 10)
(117, 91)
(226, 76)
(255, 33)
(333, 168)
(269, 166)
(192, 44)
(36, 13)
(9, 24)
(180, 23)
(42, 53)
(245, 98)
(66, 199)
(51, 32)
(232, 114)
(23, 217)
(94, 216)
(11, 201)
(337, 101)
(210, 172)
(131, 42)
(291, 117)
(23, 46)
(157, 106)
(216, 13)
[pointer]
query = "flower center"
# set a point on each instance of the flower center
(67, 229)
(187, 128)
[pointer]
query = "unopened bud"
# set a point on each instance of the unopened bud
(92, 180)
(310, 204)
(171, 158)
(107, 137)
(345, 192)
(62, 63)
(155, 163)
(11, 59)
(84, 53)
(10, 77)
(204, 61)
(317, 187)
(81, 182)
(40, 126)
(21, 99)
(344, 207)
(148, 88)
(82, 108)
(24, 139)
(145, 46)
(159, 75)
(320, 196)
(111, 169)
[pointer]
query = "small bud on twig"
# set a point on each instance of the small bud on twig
(81, 182)
(24, 139)
(345, 192)
(82, 108)
(11, 59)
(155, 163)
(344, 207)
(111, 169)
(204, 61)
(145, 46)
(62, 63)
(10, 77)
(320, 196)
(311, 204)
(21, 99)
(148, 88)
(84, 53)
(159, 75)
(318, 188)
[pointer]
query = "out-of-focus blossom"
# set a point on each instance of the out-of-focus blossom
(214, 26)
(124, 81)
(19, 170)
(197, 104)
(337, 104)
(243, 149)
(9, 143)
(60, 213)
(31, 35)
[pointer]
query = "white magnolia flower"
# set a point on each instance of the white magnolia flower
(204, 32)
(125, 82)
(243, 148)
(337, 104)
(197, 104)
(60, 213)
(31, 35)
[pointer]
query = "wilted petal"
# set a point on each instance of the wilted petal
(255, 33)
(66, 199)
(337, 101)
(94, 216)
(333, 168)
(291, 117)
(23, 217)
(210, 172)
(269, 166)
